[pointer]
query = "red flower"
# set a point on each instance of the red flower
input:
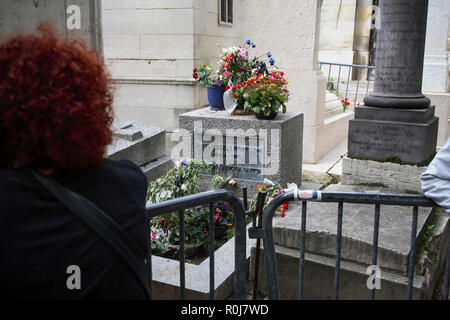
(227, 88)
(283, 212)
(347, 103)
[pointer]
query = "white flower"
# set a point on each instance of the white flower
(164, 194)
(184, 187)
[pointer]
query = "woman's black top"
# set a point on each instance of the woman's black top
(41, 241)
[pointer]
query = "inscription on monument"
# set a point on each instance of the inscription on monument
(400, 48)
(242, 158)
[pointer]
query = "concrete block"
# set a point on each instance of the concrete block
(277, 157)
(138, 143)
(122, 46)
(167, 46)
(401, 178)
(136, 22)
(145, 4)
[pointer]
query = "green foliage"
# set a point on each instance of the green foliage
(203, 75)
(272, 190)
(167, 187)
(183, 180)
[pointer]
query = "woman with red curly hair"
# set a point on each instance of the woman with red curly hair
(55, 118)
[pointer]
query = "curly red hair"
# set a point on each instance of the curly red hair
(55, 103)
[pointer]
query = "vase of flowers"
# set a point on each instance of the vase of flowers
(263, 94)
(215, 88)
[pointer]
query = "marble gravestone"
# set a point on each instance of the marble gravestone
(397, 123)
(245, 148)
(143, 145)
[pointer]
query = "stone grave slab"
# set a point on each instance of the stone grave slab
(245, 147)
(143, 145)
(137, 142)
(357, 230)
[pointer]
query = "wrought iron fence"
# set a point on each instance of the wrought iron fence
(207, 198)
(354, 72)
(266, 233)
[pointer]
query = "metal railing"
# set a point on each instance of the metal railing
(266, 233)
(354, 72)
(207, 198)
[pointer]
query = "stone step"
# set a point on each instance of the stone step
(331, 97)
(340, 117)
(337, 110)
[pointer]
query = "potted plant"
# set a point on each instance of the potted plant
(263, 94)
(234, 66)
(214, 86)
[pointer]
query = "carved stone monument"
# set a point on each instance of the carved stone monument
(143, 145)
(397, 122)
(245, 148)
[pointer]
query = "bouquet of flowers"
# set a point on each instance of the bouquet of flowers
(273, 190)
(204, 77)
(250, 85)
(263, 94)
(235, 65)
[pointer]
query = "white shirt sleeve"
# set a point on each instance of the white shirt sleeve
(436, 179)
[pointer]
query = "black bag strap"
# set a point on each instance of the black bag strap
(104, 226)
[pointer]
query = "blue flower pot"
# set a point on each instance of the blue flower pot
(215, 97)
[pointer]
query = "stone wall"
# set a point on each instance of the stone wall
(337, 25)
(435, 72)
(151, 48)
(148, 46)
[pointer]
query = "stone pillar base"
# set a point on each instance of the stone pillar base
(408, 136)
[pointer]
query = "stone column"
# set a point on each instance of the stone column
(400, 55)
(397, 124)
